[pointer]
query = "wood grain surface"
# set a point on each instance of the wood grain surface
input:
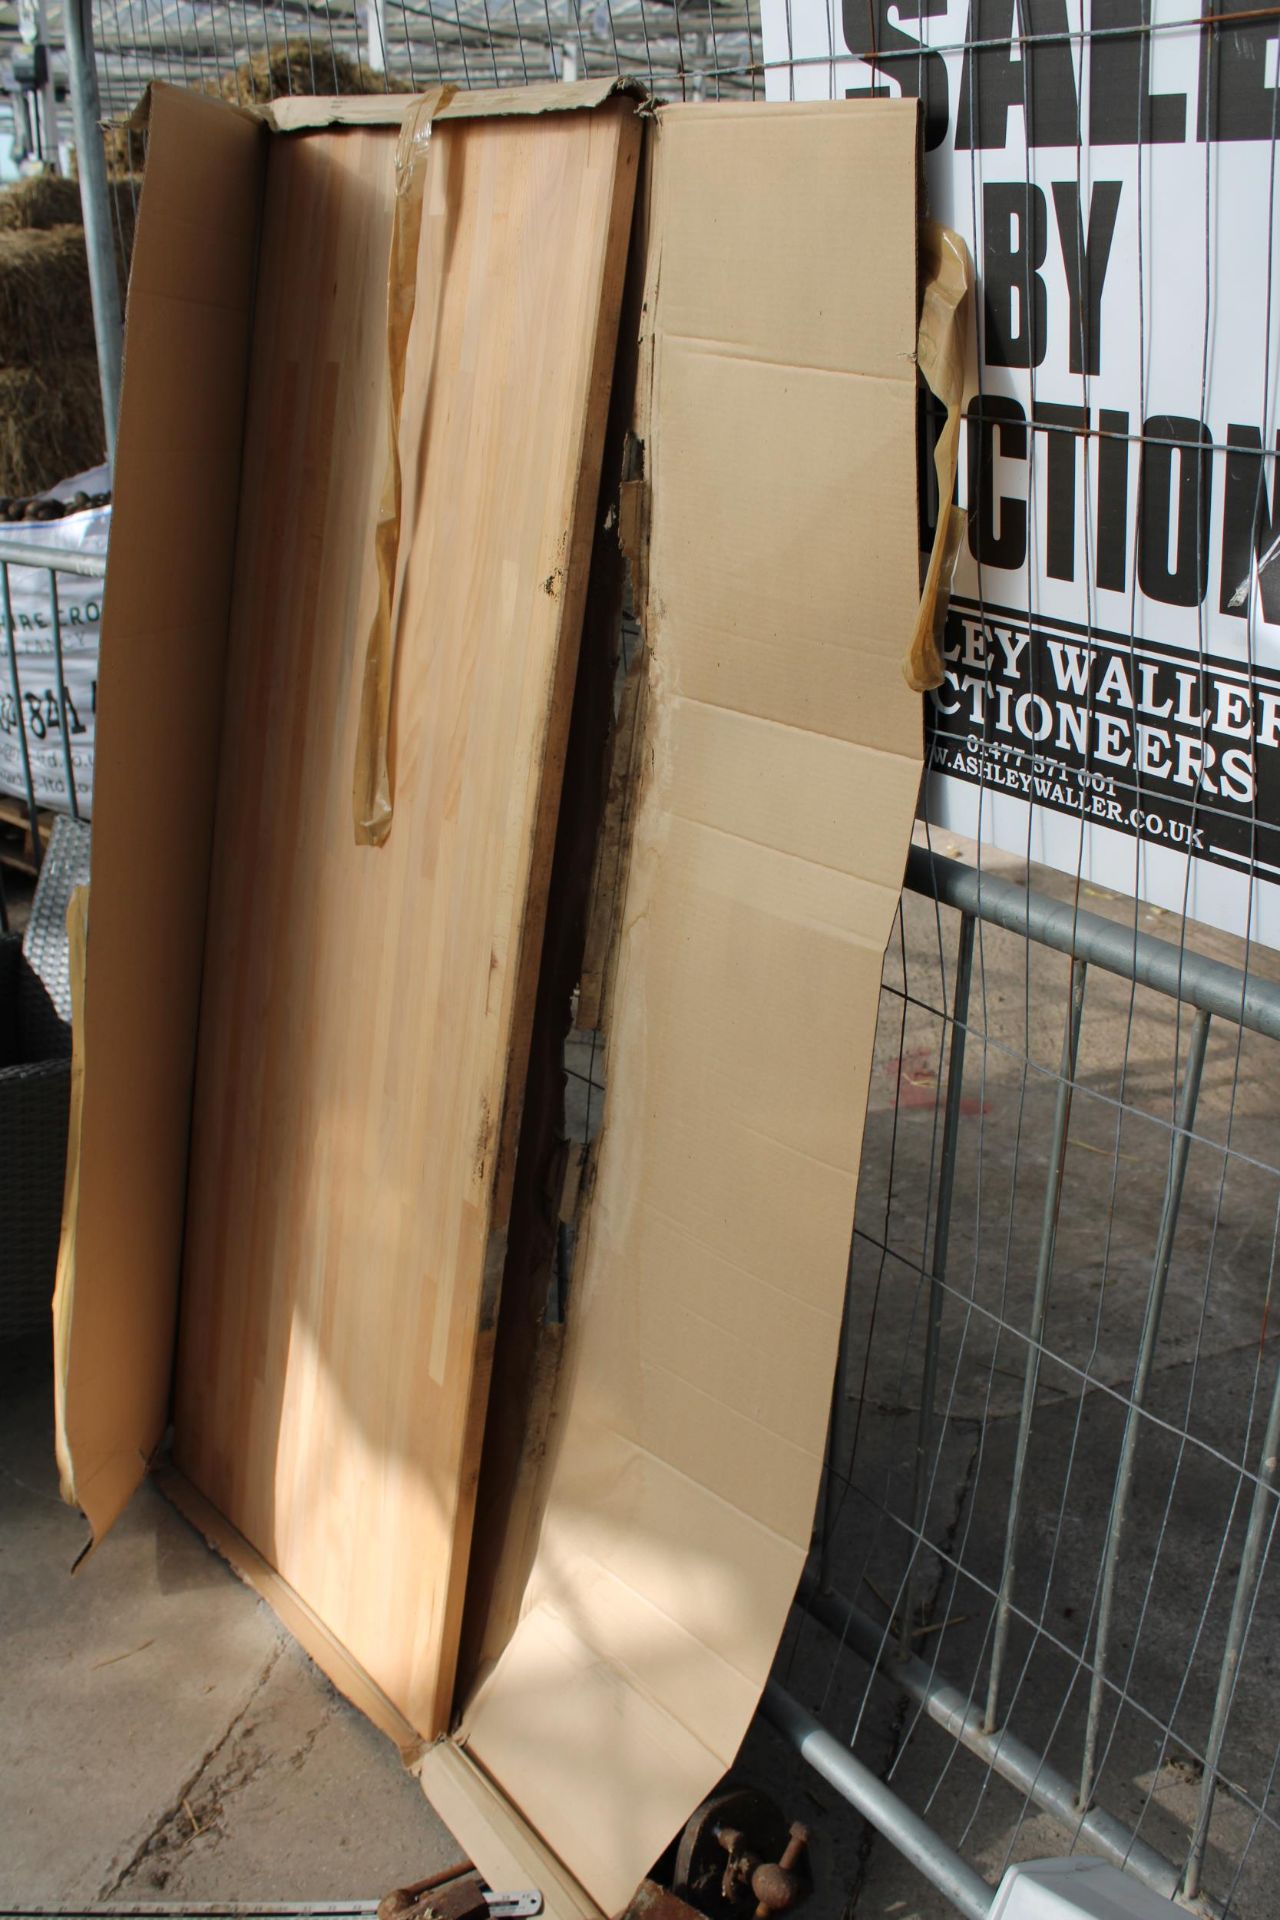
(365, 1014)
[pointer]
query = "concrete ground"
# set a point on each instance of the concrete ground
(162, 1737)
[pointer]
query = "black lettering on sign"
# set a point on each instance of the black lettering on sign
(1169, 441)
(1121, 110)
(869, 32)
(1176, 496)
(1015, 305)
(1112, 561)
(1019, 56)
(1250, 522)
(1036, 75)
(1170, 746)
(990, 417)
(1060, 483)
(1085, 260)
(1235, 101)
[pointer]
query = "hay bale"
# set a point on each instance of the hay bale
(126, 151)
(50, 424)
(45, 308)
(296, 66)
(41, 200)
(45, 200)
(273, 73)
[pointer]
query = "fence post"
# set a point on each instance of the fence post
(1035, 1334)
(104, 277)
(927, 1419)
(1179, 1151)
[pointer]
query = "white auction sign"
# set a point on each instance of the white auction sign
(1112, 698)
(42, 709)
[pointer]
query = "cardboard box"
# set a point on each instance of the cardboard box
(363, 989)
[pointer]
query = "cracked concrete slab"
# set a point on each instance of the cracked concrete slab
(162, 1737)
(299, 1775)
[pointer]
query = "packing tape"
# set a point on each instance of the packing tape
(65, 1282)
(372, 796)
(941, 355)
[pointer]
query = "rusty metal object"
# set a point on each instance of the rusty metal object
(781, 1886)
(737, 1856)
(775, 1886)
(740, 1867)
(652, 1902)
(456, 1894)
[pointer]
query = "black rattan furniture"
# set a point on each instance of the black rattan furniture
(35, 1085)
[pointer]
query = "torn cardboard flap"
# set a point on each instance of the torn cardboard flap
(310, 113)
(941, 348)
(374, 774)
(316, 112)
(143, 115)
(371, 790)
(164, 635)
(777, 769)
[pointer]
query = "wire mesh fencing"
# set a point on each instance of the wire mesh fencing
(681, 48)
(1042, 1597)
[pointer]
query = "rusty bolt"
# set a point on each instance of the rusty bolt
(796, 1846)
(777, 1888)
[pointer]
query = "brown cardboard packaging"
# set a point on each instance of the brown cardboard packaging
(776, 771)
(771, 519)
